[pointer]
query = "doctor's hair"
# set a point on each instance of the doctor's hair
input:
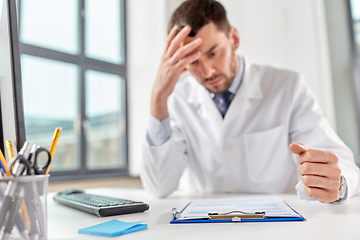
(198, 13)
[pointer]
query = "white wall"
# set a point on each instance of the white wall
(146, 36)
(341, 65)
(1, 6)
(288, 34)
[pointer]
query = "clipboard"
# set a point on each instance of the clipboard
(270, 204)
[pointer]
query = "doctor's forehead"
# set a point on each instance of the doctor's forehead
(209, 34)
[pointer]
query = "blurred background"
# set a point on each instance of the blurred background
(89, 66)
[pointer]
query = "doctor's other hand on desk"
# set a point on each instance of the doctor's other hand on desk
(320, 172)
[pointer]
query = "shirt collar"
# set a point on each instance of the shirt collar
(234, 87)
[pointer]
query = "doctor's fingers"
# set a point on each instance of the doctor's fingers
(298, 148)
(169, 74)
(185, 50)
(321, 182)
(323, 195)
(320, 169)
(182, 63)
(171, 36)
(318, 156)
(176, 41)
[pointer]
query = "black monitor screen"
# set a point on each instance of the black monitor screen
(12, 125)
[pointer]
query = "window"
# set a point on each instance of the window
(74, 76)
(355, 20)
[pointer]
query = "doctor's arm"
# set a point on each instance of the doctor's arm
(164, 158)
(323, 157)
(173, 62)
(164, 153)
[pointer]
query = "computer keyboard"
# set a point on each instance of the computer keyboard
(101, 206)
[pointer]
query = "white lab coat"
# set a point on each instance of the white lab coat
(247, 151)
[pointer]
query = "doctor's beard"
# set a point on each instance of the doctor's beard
(227, 80)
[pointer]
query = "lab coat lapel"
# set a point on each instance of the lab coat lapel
(209, 110)
(205, 105)
(250, 88)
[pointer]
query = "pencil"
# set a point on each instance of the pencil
(56, 136)
(4, 163)
(25, 214)
(10, 149)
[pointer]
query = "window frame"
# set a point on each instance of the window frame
(355, 60)
(85, 63)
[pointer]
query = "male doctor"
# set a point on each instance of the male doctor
(233, 125)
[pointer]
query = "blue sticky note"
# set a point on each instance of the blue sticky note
(113, 228)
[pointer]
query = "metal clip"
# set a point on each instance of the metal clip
(236, 217)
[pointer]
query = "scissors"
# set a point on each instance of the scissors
(27, 165)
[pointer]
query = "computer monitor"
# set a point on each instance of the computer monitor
(12, 126)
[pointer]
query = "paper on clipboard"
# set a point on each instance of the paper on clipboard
(272, 206)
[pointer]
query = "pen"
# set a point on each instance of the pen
(19, 223)
(30, 202)
(10, 149)
(23, 207)
(53, 145)
(176, 213)
(13, 201)
(4, 163)
(12, 204)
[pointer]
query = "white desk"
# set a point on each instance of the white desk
(324, 221)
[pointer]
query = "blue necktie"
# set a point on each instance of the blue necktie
(224, 102)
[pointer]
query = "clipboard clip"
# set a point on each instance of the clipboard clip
(236, 216)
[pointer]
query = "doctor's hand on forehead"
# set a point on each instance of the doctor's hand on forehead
(320, 172)
(173, 62)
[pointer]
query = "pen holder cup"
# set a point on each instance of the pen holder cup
(23, 209)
